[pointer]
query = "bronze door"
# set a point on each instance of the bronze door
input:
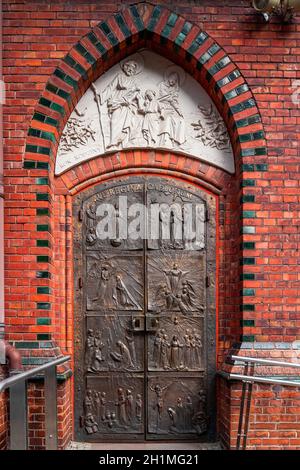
(144, 312)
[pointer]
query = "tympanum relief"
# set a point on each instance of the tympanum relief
(145, 101)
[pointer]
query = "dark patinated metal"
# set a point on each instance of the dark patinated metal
(145, 317)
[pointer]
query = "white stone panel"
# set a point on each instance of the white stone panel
(145, 102)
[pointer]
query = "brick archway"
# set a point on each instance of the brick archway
(168, 34)
(165, 32)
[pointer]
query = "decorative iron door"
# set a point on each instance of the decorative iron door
(144, 311)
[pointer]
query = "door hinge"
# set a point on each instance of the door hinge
(207, 281)
(80, 215)
(80, 283)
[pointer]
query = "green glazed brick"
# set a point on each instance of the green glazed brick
(29, 164)
(43, 321)
(42, 259)
(248, 245)
(248, 182)
(261, 167)
(43, 243)
(254, 152)
(248, 338)
(38, 149)
(43, 228)
(41, 134)
(248, 323)
(42, 165)
(247, 261)
(42, 196)
(98, 44)
(26, 345)
(248, 198)
(42, 181)
(43, 290)
(247, 277)
(229, 78)
(247, 308)
(236, 92)
(247, 292)
(136, 17)
(41, 211)
(75, 65)
(109, 34)
(66, 78)
(248, 230)
(85, 53)
(43, 275)
(249, 214)
(43, 337)
(58, 91)
(247, 167)
(43, 306)
(46, 119)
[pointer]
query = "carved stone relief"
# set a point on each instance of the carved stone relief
(145, 102)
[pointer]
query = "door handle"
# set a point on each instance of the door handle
(152, 323)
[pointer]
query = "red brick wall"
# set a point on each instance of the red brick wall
(37, 35)
(36, 415)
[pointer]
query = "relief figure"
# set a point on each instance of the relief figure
(121, 96)
(172, 128)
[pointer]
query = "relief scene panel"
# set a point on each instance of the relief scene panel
(145, 101)
(176, 283)
(112, 344)
(176, 406)
(113, 405)
(114, 282)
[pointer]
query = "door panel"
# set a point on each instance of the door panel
(176, 406)
(145, 314)
(115, 403)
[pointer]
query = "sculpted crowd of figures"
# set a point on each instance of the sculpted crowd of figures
(101, 412)
(155, 115)
(177, 353)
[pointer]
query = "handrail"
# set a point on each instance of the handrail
(6, 383)
(264, 361)
(253, 378)
(18, 420)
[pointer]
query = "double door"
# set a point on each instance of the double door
(144, 311)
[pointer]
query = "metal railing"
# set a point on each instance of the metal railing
(252, 378)
(247, 380)
(18, 422)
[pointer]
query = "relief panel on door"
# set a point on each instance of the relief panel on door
(114, 282)
(113, 404)
(176, 282)
(177, 345)
(176, 406)
(113, 344)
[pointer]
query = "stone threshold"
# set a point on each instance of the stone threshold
(145, 446)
